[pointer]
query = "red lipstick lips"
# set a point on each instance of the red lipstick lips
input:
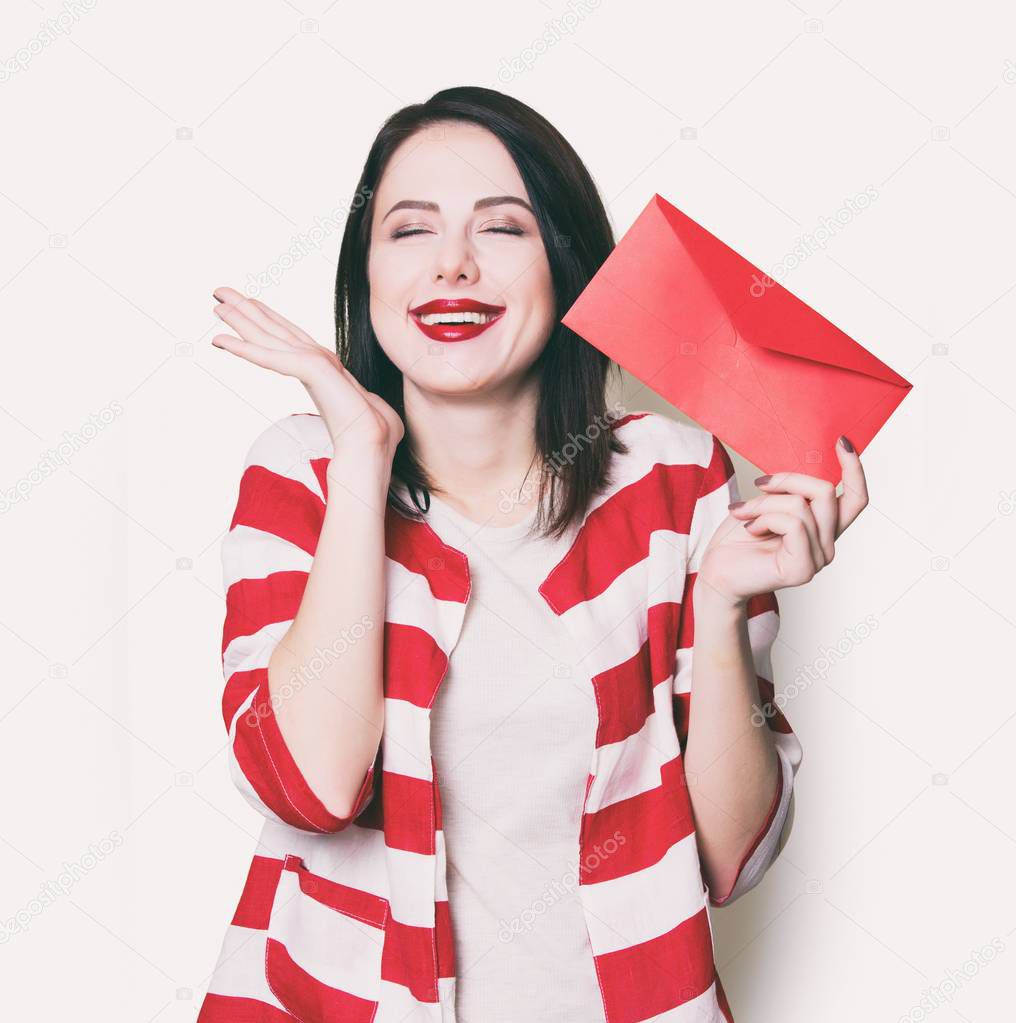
(467, 327)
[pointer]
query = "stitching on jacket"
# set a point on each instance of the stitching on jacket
(275, 768)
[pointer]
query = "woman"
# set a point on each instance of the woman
(527, 828)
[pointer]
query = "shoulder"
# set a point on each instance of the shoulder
(660, 439)
(299, 435)
(293, 448)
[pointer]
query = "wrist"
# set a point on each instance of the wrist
(714, 602)
(361, 474)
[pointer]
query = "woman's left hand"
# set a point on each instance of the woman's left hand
(784, 536)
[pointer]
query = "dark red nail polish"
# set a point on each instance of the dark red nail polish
(736, 504)
(847, 446)
(762, 480)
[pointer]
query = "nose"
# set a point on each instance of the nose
(455, 262)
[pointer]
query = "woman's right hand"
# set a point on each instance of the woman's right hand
(358, 421)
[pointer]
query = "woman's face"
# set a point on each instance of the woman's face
(452, 222)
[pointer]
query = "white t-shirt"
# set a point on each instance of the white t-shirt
(513, 728)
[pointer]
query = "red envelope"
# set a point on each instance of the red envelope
(735, 351)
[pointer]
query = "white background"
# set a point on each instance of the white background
(156, 151)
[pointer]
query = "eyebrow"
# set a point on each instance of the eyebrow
(480, 204)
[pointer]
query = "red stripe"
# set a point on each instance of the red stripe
(662, 624)
(365, 906)
(624, 698)
(414, 664)
(615, 535)
(251, 604)
(718, 472)
(658, 974)
(279, 505)
(263, 756)
(240, 685)
(415, 546)
(773, 715)
(409, 958)
(635, 833)
(630, 418)
(255, 906)
(445, 939)
(409, 813)
(227, 1009)
(306, 996)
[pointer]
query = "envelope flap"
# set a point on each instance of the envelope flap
(763, 311)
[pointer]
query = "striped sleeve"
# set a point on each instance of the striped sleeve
(718, 489)
(266, 559)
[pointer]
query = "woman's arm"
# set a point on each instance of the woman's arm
(332, 721)
(740, 774)
(733, 771)
(305, 603)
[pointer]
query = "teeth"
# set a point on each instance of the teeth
(432, 318)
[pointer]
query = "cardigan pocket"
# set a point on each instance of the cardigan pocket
(324, 946)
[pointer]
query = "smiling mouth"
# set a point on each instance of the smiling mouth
(453, 319)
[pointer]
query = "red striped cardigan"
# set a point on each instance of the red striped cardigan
(348, 919)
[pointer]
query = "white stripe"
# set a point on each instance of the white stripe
(405, 740)
(288, 445)
(240, 780)
(412, 880)
(626, 911)
(396, 1004)
(249, 553)
(409, 601)
(313, 933)
(354, 856)
(240, 970)
(633, 765)
(710, 510)
(245, 653)
(704, 1008)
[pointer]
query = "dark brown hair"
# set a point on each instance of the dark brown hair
(573, 431)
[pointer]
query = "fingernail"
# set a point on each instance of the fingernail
(736, 504)
(748, 523)
(762, 480)
(847, 446)
(216, 297)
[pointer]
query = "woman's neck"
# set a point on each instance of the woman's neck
(479, 451)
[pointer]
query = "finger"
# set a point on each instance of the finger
(854, 498)
(822, 495)
(255, 311)
(270, 358)
(248, 329)
(790, 504)
(281, 320)
(798, 564)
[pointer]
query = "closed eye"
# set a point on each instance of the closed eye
(407, 231)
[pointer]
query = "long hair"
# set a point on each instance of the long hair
(573, 429)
